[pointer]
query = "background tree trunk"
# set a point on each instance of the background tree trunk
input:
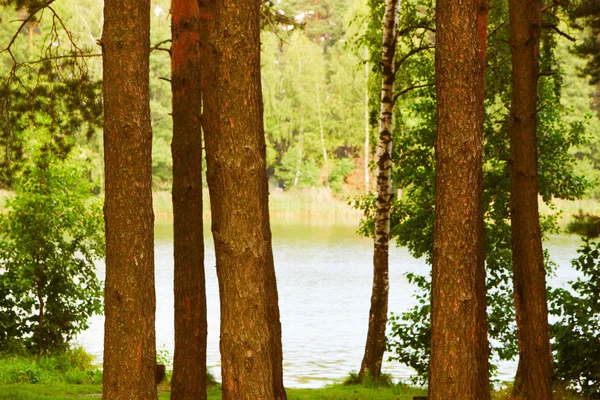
(130, 302)
(251, 353)
(534, 374)
(459, 344)
(189, 361)
(375, 347)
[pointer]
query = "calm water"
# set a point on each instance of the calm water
(324, 278)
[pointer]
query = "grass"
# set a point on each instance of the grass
(74, 366)
(62, 391)
(311, 204)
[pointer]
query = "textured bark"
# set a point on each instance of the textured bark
(130, 303)
(459, 345)
(534, 374)
(251, 353)
(375, 346)
(189, 361)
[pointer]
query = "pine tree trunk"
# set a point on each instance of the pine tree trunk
(189, 361)
(534, 374)
(375, 346)
(251, 353)
(130, 302)
(459, 344)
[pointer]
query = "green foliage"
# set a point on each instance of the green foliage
(45, 86)
(410, 337)
(73, 366)
(384, 381)
(294, 171)
(414, 137)
(586, 225)
(51, 236)
(576, 334)
(340, 170)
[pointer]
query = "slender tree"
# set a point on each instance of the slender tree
(459, 344)
(130, 302)
(189, 361)
(534, 373)
(251, 352)
(375, 347)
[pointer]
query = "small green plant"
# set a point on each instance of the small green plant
(385, 380)
(576, 334)
(50, 239)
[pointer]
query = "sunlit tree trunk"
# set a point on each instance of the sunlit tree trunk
(129, 333)
(534, 373)
(367, 130)
(459, 345)
(251, 353)
(375, 346)
(189, 361)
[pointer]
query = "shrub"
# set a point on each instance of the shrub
(51, 236)
(576, 335)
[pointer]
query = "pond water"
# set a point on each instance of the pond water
(324, 278)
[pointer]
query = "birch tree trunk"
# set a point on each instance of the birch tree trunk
(375, 346)
(321, 125)
(367, 130)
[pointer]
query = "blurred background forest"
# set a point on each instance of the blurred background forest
(320, 118)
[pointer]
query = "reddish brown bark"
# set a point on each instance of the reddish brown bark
(251, 355)
(375, 346)
(189, 361)
(534, 374)
(129, 337)
(459, 345)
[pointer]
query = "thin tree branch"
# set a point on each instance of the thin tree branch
(553, 4)
(406, 31)
(23, 23)
(540, 108)
(408, 89)
(411, 53)
(495, 29)
(561, 33)
(158, 45)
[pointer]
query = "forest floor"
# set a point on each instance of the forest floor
(64, 391)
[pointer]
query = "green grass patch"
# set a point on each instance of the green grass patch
(73, 366)
(63, 391)
(50, 391)
(354, 392)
